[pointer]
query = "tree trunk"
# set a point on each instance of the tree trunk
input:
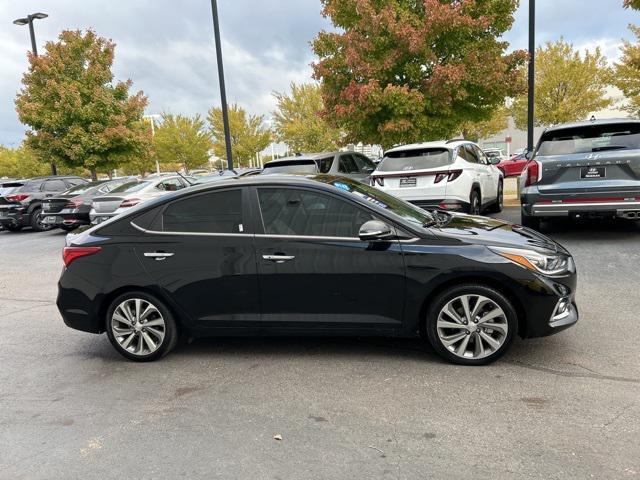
(94, 174)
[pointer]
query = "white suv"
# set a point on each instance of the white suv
(451, 175)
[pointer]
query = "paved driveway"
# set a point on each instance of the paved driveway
(563, 407)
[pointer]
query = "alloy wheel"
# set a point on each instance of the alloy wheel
(138, 326)
(472, 326)
(500, 195)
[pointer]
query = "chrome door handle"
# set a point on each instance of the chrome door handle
(159, 256)
(278, 258)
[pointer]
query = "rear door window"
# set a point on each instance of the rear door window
(415, 159)
(347, 164)
(214, 212)
(364, 164)
(472, 156)
(324, 164)
(54, 186)
(289, 211)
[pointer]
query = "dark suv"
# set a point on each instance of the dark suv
(584, 169)
(22, 207)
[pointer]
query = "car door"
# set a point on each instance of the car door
(315, 273)
(200, 251)
(487, 174)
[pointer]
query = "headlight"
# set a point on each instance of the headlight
(546, 263)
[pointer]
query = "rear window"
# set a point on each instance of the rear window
(30, 186)
(592, 138)
(291, 166)
(417, 159)
(82, 188)
(131, 187)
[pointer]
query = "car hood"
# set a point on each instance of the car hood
(489, 231)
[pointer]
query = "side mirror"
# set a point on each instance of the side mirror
(494, 160)
(375, 230)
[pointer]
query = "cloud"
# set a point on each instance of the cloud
(166, 47)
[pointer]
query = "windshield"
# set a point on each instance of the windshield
(291, 166)
(131, 187)
(416, 159)
(592, 138)
(394, 205)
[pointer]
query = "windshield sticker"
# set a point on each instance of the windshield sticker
(342, 186)
(371, 199)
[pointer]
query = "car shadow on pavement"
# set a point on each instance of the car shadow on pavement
(591, 229)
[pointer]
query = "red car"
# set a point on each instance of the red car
(514, 166)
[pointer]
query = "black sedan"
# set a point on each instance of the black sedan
(71, 209)
(320, 255)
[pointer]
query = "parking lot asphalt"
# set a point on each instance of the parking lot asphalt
(566, 406)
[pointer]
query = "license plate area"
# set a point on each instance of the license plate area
(49, 219)
(408, 182)
(593, 173)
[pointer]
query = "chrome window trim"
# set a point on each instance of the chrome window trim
(193, 234)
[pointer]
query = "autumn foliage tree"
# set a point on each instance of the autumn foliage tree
(569, 85)
(407, 70)
(248, 134)
(298, 123)
(183, 140)
(79, 116)
(627, 73)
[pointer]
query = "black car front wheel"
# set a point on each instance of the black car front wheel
(471, 324)
(37, 223)
(140, 327)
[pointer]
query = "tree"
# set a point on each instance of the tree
(140, 160)
(568, 86)
(183, 140)
(79, 116)
(627, 73)
(21, 163)
(475, 131)
(248, 134)
(635, 4)
(298, 122)
(407, 70)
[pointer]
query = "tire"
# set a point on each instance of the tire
(499, 205)
(35, 223)
(465, 350)
(530, 222)
(132, 344)
(13, 228)
(504, 175)
(475, 205)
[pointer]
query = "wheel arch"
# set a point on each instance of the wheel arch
(472, 278)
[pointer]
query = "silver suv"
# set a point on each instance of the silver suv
(583, 170)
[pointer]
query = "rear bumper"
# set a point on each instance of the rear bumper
(14, 216)
(564, 208)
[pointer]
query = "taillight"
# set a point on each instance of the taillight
(533, 173)
(74, 203)
(377, 181)
(69, 254)
(17, 197)
(130, 202)
(450, 176)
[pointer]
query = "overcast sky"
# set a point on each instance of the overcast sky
(166, 46)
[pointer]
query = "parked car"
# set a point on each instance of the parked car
(215, 176)
(492, 153)
(22, 207)
(8, 185)
(199, 172)
(127, 195)
(450, 175)
(349, 164)
(582, 170)
(285, 254)
(71, 209)
(513, 166)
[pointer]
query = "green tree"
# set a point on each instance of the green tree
(635, 4)
(140, 160)
(568, 86)
(181, 139)
(23, 162)
(248, 134)
(627, 73)
(475, 131)
(298, 122)
(79, 116)
(407, 70)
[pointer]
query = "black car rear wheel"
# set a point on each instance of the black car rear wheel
(471, 324)
(37, 224)
(13, 228)
(140, 327)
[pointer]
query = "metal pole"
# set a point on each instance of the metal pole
(532, 68)
(34, 48)
(223, 92)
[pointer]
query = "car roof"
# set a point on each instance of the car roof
(588, 123)
(302, 156)
(448, 144)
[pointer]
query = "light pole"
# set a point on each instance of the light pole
(28, 20)
(223, 92)
(532, 70)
